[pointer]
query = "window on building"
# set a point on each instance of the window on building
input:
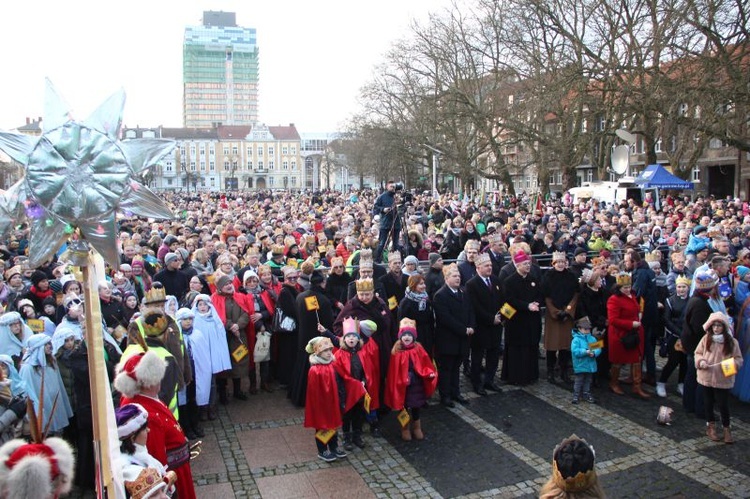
(192, 165)
(294, 165)
(673, 144)
(602, 123)
(294, 181)
(182, 151)
(270, 150)
(584, 125)
(510, 100)
(657, 145)
(293, 150)
(284, 150)
(192, 151)
(211, 181)
(260, 165)
(683, 109)
(203, 166)
(211, 166)
(226, 150)
(559, 178)
(249, 151)
(270, 165)
(211, 150)
(528, 182)
(234, 165)
(202, 150)
(589, 175)
(169, 181)
(130, 134)
(696, 174)
(226, 165)
(270, 181)
(552, 178)
(285, 165)
(235, 150)
(260, 150)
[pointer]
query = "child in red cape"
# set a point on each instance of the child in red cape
(411, 379)
(324, 406)
(354, 360)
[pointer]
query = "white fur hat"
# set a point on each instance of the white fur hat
(139, 370)
(36, 470)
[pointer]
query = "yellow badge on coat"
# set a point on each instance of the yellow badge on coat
(35, 325)
(596, 344)
(240, 352)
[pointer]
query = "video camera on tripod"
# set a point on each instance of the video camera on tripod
(405, 198)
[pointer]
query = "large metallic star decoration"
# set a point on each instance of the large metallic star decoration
(78, 175)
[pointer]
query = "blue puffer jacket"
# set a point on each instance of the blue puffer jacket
(582, 363)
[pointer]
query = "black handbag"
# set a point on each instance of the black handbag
(630, 340)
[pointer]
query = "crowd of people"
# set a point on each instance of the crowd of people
(372, 302)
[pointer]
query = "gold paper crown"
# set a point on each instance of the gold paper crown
(654, 256)
(365, 285)
(146, 481)
(582, 480)
(559, 255)
(481, 258)
(624, 279)
(154, 322)
(365, 258)
(496, 238)
(597, 260)
(682, 280)
(155, 295)
(252, 251)
(277, 249)
(407, 323)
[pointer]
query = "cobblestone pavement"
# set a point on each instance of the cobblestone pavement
(497, 446)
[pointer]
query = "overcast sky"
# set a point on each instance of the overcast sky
(314, 55)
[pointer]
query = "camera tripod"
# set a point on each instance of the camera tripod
(398, 216)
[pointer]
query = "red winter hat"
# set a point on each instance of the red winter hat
(521, 257)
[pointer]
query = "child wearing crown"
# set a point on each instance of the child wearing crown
(411, 380)
(355, 361)
(324, 406)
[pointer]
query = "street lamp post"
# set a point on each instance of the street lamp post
(436, 153)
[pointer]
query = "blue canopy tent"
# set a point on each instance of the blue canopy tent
(657, 177)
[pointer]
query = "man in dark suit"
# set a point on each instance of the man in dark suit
(467, 268)
(484, 292)
(495, 253)
(454, 326)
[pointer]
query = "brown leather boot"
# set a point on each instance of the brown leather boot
(711, 432)
(406, 433)
(614, 376)
(728, 436)
(637, 379)
(416, 429)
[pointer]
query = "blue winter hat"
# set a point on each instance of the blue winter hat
(742, 271)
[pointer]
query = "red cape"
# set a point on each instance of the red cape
(398, 375)
(165, 434)
(323, 408)
(343, 364)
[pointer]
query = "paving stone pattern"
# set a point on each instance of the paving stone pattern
(497, 446)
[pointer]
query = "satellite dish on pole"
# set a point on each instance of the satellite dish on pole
(625, 135)
(620, 159)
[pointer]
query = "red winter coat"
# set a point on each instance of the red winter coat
(398, 374)
(622, 311)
